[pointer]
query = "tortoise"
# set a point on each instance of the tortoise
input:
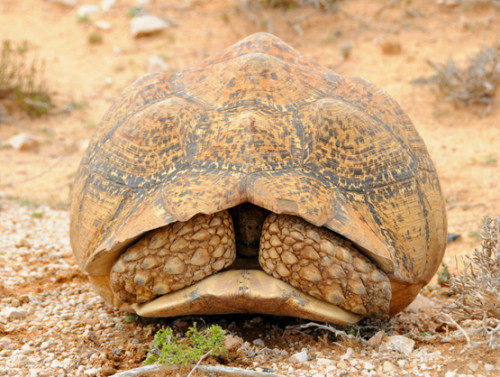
(257, 181)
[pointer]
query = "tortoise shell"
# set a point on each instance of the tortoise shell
(260, 123)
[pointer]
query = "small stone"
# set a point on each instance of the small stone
(23, 242)
(259, 342)
(299, 357)
(107, 4)
(347, 355)
(157, 64)
(420, 303)
(376, 339)
(23, 142)
(473, 367)
(391, 47)
(67, 3)
(325, 362)
(12, 314)
(232, 343)
(397, 343)
(107, 371)
(103, 25)
(345, 50)
(389, 367)
(87, 10)
(92, 372)
(146, 25)
(368, 366)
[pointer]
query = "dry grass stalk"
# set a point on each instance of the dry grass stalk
(21, 79)
(477, 287)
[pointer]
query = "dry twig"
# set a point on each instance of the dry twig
(338, 333)
(203, 368)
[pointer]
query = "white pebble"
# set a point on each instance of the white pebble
(259, 342)
(23, 142)
(299, 357)
(144, 25)
(87, 10)
(397, 343)
(107, 4)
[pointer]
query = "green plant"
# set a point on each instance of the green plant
(135, 11)
(78, 105)
(24, 201)
(83, 19)
(131, 318)
(475, 235)
(95, 38)
(37, 214)
(444, 275)
(169, 349)
(292, 4)
(489, 160)
(475, 83)
(21, 80)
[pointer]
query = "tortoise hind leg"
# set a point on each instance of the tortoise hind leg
(324, 265)
(173, 257)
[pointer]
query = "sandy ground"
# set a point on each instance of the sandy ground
(85, 78)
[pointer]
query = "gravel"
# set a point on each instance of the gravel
(51, 323)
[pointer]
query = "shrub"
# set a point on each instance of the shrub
(476, 289)
(22, 80)
(169, 350)
(475, 83)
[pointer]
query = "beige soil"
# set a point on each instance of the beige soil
(460, 141)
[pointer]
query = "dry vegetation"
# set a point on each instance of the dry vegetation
(21, 79)
(476, 288)
(475, 83)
